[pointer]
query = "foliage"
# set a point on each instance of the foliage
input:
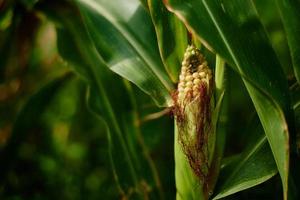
(87, 92)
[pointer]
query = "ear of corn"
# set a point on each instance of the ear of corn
(193, 113)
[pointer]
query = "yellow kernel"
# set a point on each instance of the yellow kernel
(188, 78)
(183, 68)
(200, 67)
(189, 84)
(181, 77)
(181, 84)
(202, 74)
(196, 81)
(196, 75)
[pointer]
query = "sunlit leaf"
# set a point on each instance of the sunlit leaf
(125, 38)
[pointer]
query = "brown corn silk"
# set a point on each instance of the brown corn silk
(193, 106)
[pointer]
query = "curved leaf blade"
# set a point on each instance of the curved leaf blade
(124, 37)
(171, 35)
(132, 169)
(87, 69)
(254, 166)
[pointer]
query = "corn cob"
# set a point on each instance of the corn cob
(193, 109)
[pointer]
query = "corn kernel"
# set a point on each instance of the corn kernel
(188, 78)
(197, 81)
(189, 84)
(196, 75)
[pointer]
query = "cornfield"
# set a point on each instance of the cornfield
(149, 99)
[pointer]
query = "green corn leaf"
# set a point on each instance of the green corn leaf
(132, 167)
(147, 183)
(171, 36)
(129, 164)
(254, 166)
(227, 28)
(124, 37)
(290, 15)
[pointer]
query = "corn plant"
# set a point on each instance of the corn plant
(193, 62)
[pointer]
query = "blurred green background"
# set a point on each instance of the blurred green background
(53, 147)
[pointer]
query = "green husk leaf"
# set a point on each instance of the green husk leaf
(187, 184)
(196, 125)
